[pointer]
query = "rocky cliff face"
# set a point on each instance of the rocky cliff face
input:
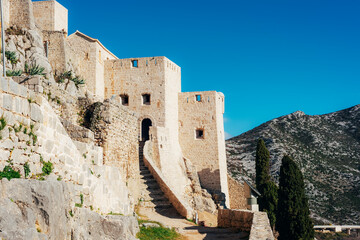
(31, 209)
(326, 147)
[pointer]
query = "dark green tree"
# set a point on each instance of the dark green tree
(262, 165)
(267, 188)
(292, 218)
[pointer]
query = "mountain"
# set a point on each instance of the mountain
(326, 148)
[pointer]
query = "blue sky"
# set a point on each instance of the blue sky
(269, 58)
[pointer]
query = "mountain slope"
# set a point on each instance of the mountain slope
(326, 147)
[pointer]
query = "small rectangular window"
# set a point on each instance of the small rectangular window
(198, 98)
(199, 134)
(146, 99)
(124, 100)
(135, 63)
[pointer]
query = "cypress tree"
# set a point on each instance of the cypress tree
(268, 189)
(292, 219)
(262, 166)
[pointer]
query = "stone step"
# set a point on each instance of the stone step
(144, 171)
(153, 185)
(145, 175)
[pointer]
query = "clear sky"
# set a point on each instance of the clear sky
(269, 58)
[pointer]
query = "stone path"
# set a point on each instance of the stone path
(151, 195)
(155, 207)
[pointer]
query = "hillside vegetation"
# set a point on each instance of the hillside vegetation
(326, 147)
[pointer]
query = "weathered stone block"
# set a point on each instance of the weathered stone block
(35, 113)
(4, 84)
(13, 87)
(8, 102)
(7, 144)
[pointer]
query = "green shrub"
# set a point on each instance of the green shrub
(81, 198)
(11, 56)
(47, 167)
(157, 233)
(2, 123)
(13, 73)
(26, 169)
(9, 173)
(34, 69)
(78, 80)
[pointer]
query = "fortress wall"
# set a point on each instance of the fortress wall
(101, 56)
(203, 152)
(236, 194)
(6, 12)
(220, 109)
(103, 187)
(60, 18)
(120, 143)
(21, 14)
(56, 50)
(82, 55)
(148, 78)
(50, 16)
(44, 12)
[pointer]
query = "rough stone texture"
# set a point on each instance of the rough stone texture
(207, 153)
(88, 56)
(257, 223)
(237, 194)
(31, 209)
(50, 16)
(21, 14)
(103, 186)
(116, 131)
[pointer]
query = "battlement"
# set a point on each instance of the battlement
(50, 16)
(145, 62)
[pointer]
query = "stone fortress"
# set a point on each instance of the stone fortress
(183, 125)
(128, 122)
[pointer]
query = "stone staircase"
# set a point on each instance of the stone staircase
(150, 192)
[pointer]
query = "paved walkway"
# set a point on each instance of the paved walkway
(170, 218)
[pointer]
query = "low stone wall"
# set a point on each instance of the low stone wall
(257, 223)
(179, 204)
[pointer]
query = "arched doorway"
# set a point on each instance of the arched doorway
(145, 127)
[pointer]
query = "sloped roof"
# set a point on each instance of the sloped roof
(90, 39)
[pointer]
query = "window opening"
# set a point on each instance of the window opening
(198, 98)
(146, 99)
(199, 134)
(135, 63)
(124, 99)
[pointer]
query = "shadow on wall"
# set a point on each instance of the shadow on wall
(210, 180)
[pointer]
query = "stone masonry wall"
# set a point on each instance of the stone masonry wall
(21, 14)
(148, 78)
(44, 12)
(119, 139)
(33, 134)
(236, 194)
(56, 50)
(50, 16)
(257, 223)
(204, 152)
(87, 57)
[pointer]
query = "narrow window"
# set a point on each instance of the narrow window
(147, 62)
(199, 134)
(146, 99)
(198, 98)
(135, 63)
(124, 100)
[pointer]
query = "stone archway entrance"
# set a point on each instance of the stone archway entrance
(145, 127)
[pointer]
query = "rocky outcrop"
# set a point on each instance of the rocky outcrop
(32, 209)
(326, 147)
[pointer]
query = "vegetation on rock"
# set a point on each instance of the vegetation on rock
(9, 173)
(292, 219)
